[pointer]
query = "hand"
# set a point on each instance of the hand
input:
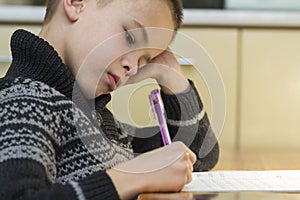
(165, 169)
(166, 70)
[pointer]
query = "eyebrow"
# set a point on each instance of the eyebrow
(145, 34)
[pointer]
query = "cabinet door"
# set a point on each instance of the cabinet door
(6, 32)
(222, 47)
(270, 98)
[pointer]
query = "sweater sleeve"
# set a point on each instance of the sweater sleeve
(28, 150)
(26, 179)
(187, 122)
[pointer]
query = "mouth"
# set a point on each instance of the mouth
(113, 81)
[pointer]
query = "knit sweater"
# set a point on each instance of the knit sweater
(57, 144)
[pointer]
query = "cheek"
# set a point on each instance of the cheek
(105, 53)
(91, 59)
(78, 54)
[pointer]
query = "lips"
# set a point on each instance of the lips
(113, 81)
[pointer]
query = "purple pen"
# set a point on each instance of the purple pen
(158, 109)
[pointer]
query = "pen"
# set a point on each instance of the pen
(158, 110)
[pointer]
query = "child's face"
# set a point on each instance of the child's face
(107, 42)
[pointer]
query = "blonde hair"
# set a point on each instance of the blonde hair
(175, 6)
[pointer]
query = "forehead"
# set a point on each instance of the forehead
(152, 13)
(147, 17)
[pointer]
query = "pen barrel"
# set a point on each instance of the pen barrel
(162, 124)
(157, 107)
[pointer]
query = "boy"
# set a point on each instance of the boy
(58, 139)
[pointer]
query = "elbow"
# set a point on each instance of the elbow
(208, 162)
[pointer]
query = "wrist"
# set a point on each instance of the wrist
(173, 84)
(171, 81)
(128, 185)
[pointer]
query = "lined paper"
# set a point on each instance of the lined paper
(245, 181)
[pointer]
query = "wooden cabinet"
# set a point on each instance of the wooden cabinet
(270, 89)
(221, 45)
(261, 73)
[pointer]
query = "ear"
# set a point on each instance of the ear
(73, 9)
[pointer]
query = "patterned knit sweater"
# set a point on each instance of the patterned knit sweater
(56, 144)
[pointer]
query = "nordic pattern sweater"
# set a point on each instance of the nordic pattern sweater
(56, 144)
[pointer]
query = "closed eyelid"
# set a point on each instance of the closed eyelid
(129, 37)
(142, 28)
(137, 28)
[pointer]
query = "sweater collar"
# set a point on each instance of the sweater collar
(35, 58)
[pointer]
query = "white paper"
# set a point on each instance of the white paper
(245, 181)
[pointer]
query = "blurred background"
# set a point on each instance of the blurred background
(203, 4)
(23, 2)
(255, 45)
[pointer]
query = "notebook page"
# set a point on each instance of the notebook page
(245, 181)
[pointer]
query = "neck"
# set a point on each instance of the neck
(55, 35)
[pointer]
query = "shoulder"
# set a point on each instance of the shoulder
(31, 107)
(26, 101)
(22, 87)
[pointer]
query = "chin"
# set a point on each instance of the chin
(97, 94)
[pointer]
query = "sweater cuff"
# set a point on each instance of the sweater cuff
(183, 107)
(97, 186)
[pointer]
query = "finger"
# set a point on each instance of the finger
(189, 178)
(191, 164)
(132, 71)
(189, 172)
(191, 167)
(188, 162)
(166, 58)
(142, 74)
(192, 156)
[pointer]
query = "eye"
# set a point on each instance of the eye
(129, 38)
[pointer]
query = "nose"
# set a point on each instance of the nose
(130, 64)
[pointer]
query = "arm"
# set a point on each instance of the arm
(186, 117)
(28, 150)
(187, 122)
(192, 126)
(26, 180)
(29, 145)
